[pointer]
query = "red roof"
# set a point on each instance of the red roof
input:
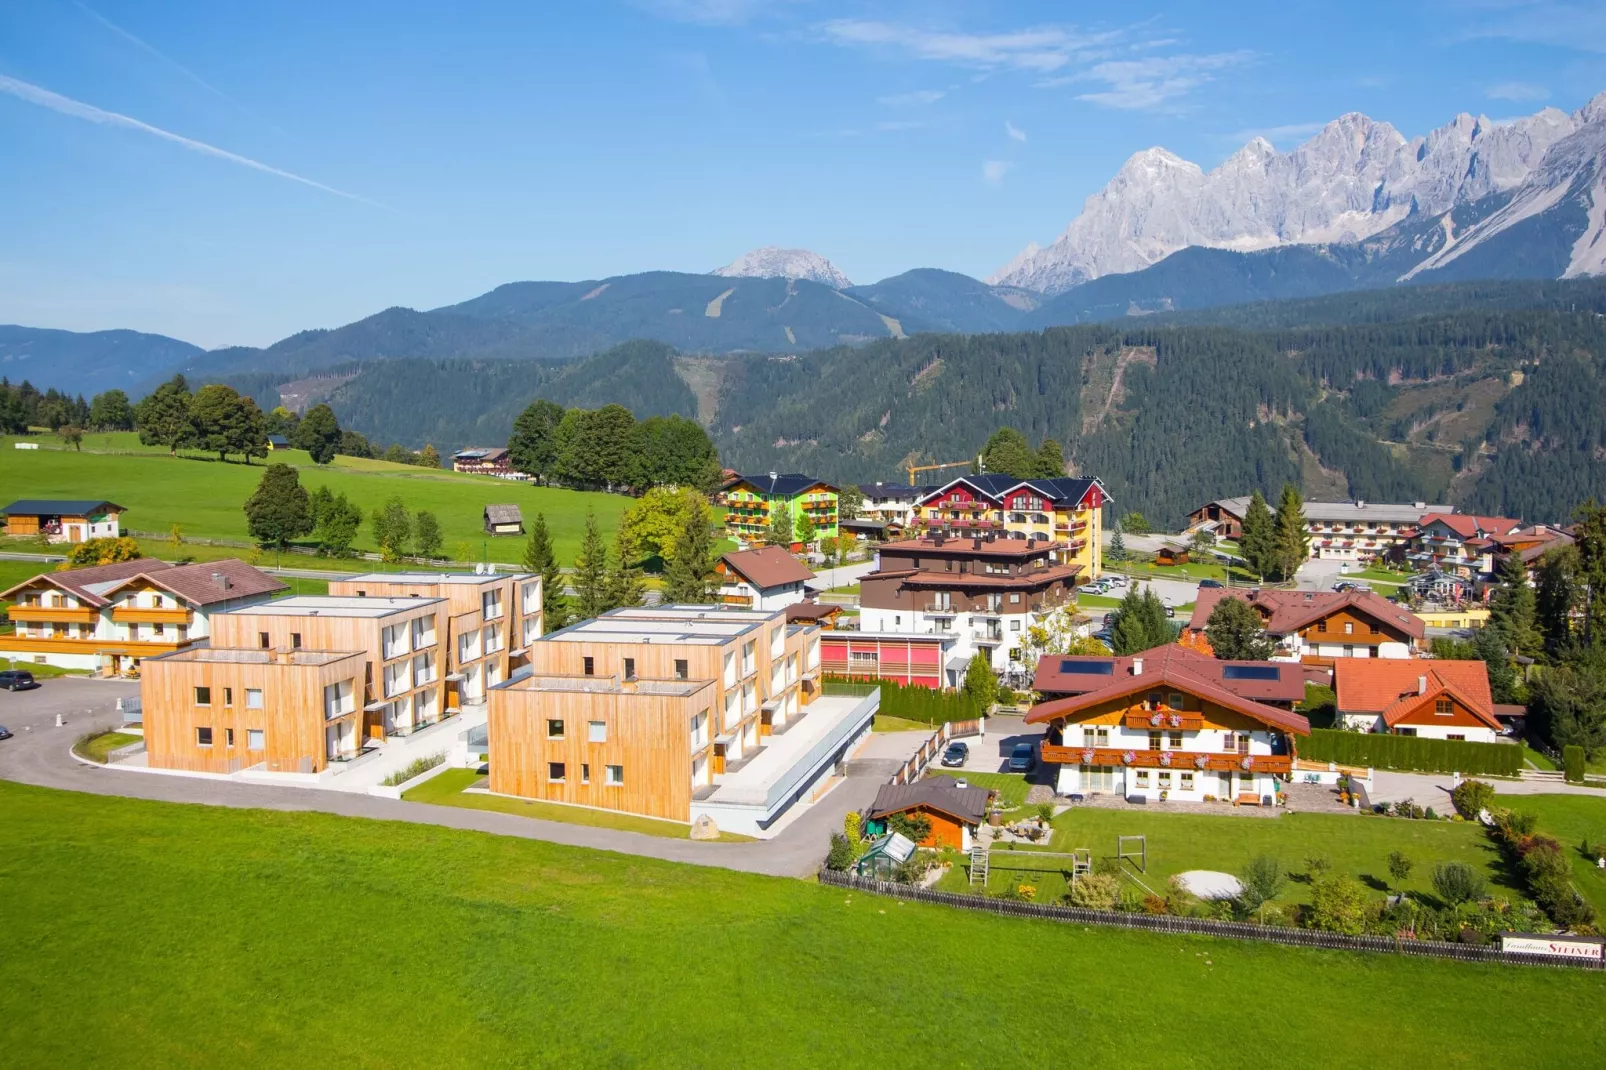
(1287, 686)
(1468, 526)
(768, 566)
(959, 544)
(1396, 687)
(1161, 667)
(1289, 611)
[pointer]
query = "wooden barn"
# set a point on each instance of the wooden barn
(1171, 554)
(503, 520)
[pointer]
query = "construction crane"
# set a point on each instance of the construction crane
(913, 468)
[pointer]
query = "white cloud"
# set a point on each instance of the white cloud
(1152, 84)
(917, 99)
(1275, 133)
(1015, 133)
(1041, 49)
(1517, 91)
(67, 106)
(993, 171)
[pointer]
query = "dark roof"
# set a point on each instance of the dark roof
(811, 611)
(893, 490)
(784, 484)
(963, 546)
(278, 440)
(504, 514)
(51, 507)
(768, 566)
(209, 582)
(78, 580)
(939, 793)
(996, 485)
(1260, 681)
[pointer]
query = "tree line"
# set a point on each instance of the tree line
(608, 448)
(281, 512)
(22, 406)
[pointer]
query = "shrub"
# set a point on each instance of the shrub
(1097, 891)
(916, 827)
(1006, 696)
(413, 768)
(1179, 900)
(1457, 883)
(1153, 904)
(1045, 812)
(911, 702)
(841, 855)
(1130, 900)
(1262, 879)
(1471, 797)
(1572, 763)
(913, 869)
(1338, 905)
(852, 826)
(1316, 867)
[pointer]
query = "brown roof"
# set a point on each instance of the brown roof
(926, 577)
(211, 582)
(767, 566)
(78, 580)
(1395, 687)
(961, 545)
(1467, 525)
(1289, 611)
(1175, 672)
(815, 611)
(965, 804)
(1248, 679)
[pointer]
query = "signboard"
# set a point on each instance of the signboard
(1576, 947)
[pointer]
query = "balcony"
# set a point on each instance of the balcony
(1181, 760)
(53, 614)
(146, 615)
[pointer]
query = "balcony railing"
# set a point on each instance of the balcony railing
(1183, 761)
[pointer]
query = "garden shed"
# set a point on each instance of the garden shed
(952, 813)
(503, 520)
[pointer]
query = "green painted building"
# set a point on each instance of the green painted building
(750, 502)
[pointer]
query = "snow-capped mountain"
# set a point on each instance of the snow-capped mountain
(1355, 178)
(771, 262)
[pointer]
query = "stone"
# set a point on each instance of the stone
(704, 829)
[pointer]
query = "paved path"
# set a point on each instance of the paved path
(38, 754)
(1430, 789)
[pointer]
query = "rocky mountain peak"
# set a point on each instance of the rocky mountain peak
(773, 262)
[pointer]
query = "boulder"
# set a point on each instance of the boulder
(704, 828)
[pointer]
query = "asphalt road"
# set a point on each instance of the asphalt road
(39, 754)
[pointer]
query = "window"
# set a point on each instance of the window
(203, 737)
(556, 773)
(1014, 625)
(255, 739)
(614, 775)
(863, 659)
(588, 665)
(1014, 599)
(1443, 708)
(228, 696)
(554, 729)
(491, 604)
(295, 640)
(1187, 781)
(1459, 736)
(253, 698)
(1154, 740)
(228, 737)
(203, 697)
(1405, 731)
(262, 640)
(699, 731)
(1174, 700)
(1153, 701)
(682, 670)
(1349, 627)
(585, 772)
(1143, 778)
(1321, 625)
(597, 731)
(1176, 740)
(630, 668)
(1096, 737)
(1165, 780)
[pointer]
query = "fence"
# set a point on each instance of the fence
(1233, 930)
(1411, 752)
(910, 771)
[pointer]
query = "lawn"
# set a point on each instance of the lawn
(1572, 819)
(96, 749)
(1096, 601)
(268, 938)
(1357, 845)
(450, 789)
(884, 723)
(1194, 571)
(204, 496)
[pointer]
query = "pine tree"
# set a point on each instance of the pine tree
(1513, 609)
(1258, 541)
(624, 579)
(539, 559)
(1555, 599)
(1293, 538)
(1140, 623)
(687, 576)
(591, 573)
(1117, 552)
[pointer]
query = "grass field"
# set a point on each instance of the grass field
(204, 496)
(1355, 845)
(96, 749)
(883, 723)
(449, 789)
(152, 934)
(1572, 819)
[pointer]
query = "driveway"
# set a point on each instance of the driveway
(1429, 789)
(39, 755)
(991, 753)
(1320, 575)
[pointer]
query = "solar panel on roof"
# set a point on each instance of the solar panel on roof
(1088, 668)
(1250, 672)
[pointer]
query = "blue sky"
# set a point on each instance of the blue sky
(231, 173)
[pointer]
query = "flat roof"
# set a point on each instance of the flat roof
(330, 605)
(750, 785)
(600, 685)
(434, 577)
(696, 625)
(246, 656)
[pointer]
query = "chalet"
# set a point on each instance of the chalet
(1171, 553)
(73, 520)
(1529, 545)
(897, 656)
(485, 461)
(982, 592)
(1271, 683)
(1458, 543)
(1435, 699)
(954, 813)
(1066, 511)
(1159, 729)
(1224, 517)
(1339, 531)
(1318, 626)
(676, 712)
(752, 502)
(765, 578)
(109, 618)
(891, 504)
(824, 614)
(503, 520)
(277, 442)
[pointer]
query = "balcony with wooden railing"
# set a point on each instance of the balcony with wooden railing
(148, 615)
(33, 612)
(1181, 760)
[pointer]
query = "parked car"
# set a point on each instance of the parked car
(1092, 588)
(1104, 635)
(17, 680)
(1170, 611)
(1210, 583)
(1114, 580)
(5, 733)
(955, 755)
(1023, 759)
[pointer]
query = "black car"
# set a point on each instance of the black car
(955, 755)
(5, 733)
(1210, 583)
(17, 679)
(1023, 759)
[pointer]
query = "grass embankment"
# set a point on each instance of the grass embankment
(204, 496)
(253, 925)
(451, 789)
(97, 748)
(1573, 820)
(884, 723)
(1356, 845)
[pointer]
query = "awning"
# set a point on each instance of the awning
(957, 664)
(375, 707)
(456, 677)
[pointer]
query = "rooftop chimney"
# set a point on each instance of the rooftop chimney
(1419, 505)
(1421, 685)
(773, 477)
(975, 544)
(1137, 666)
(220, 581)
(1360, 503)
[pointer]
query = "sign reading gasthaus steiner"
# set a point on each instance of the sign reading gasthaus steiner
(1574, 947)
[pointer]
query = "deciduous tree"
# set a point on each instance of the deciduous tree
(393, 529)
(164, 416)
(279, 511)
(532, 448)
(318, 433)
(110, 411)
(1236, 632)
(427, 534)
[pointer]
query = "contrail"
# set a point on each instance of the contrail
(153, 50)
(67, 106)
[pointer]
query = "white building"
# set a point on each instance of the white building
(891, 503)
(1433, 699)
(768, 577)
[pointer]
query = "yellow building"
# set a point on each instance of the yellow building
(1067, 510)
(1466, 617)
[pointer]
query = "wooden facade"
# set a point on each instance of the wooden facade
(219, 711)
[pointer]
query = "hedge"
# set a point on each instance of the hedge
(912, 702)
(1414, 753)
(1572, 763)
